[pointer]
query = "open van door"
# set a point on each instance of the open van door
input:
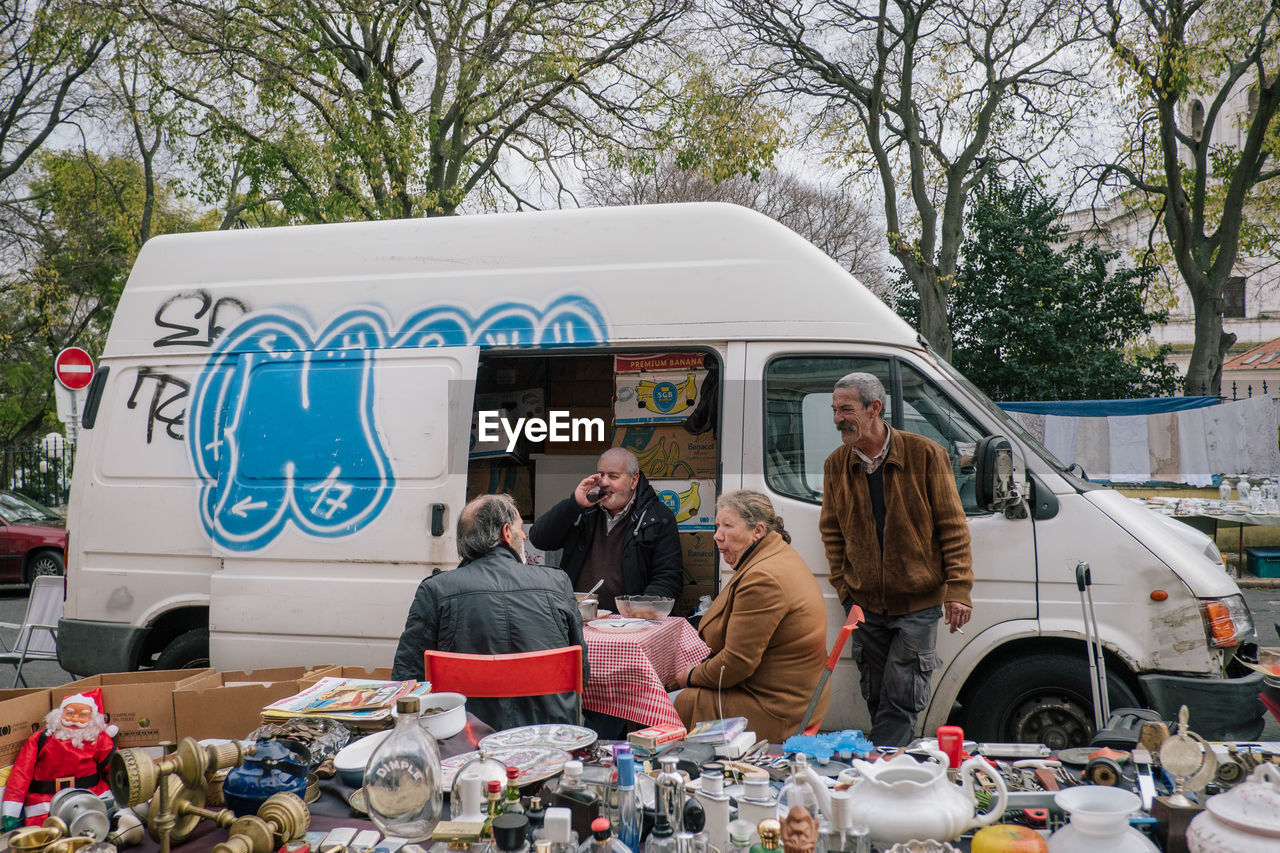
(369, 447)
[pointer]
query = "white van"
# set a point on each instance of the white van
(276, 445)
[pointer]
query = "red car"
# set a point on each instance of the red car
(33, 539)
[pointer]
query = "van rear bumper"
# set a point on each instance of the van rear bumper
(1220, 708)
(88, 648)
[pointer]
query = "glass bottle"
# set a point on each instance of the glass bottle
(842, 835)
(495, 806)
(572, 794)
(510, 832)
(535, 813)
(770, 831)
(670, 794)
(512, 804)
(402, 778)
(557, 828)
(757, 803)
(629, 817)
(740, 832)
(602, 839)
(663, 838)
(694, 837)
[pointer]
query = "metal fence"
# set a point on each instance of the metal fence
(41, 469)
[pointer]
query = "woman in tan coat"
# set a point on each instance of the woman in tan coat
(767, 629)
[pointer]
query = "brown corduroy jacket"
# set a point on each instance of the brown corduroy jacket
(926, 558)
(767, 630)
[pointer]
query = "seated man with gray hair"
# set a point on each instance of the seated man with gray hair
(493, 603)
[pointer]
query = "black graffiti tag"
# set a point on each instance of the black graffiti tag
(160, 404)
(201, 307)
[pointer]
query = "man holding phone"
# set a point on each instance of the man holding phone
(614, 529)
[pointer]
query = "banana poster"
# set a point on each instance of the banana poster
(657, 389)
(692, 501)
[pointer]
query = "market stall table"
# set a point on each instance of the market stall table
(630, 670)
(1207, 515)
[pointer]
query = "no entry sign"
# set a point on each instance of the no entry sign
(74, 368)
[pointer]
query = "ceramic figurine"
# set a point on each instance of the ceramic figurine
(799, 831)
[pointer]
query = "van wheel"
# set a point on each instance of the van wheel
(43, 564)
(1043, 698)
(188, 651)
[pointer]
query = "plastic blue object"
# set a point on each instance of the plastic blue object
(850, 743)
(273, 768)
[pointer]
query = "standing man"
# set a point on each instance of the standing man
(898, 545)
(492, 604)
(614, 528)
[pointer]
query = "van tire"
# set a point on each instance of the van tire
(187, 651)
(43, 563)
(1041, 698)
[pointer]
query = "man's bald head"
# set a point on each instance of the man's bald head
(481, 523)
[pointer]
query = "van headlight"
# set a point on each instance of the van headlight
(1227, 621)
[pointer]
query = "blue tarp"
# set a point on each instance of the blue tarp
(1105, 408)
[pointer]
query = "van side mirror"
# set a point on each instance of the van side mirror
(994, 487)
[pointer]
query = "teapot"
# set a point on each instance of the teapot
(901, 799)
(1245, 819)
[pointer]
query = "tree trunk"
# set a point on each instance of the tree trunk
(1204, 372)
(934, 323)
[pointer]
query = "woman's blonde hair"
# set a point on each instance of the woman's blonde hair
(753, 508)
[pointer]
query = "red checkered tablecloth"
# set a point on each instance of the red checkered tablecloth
(629, 671)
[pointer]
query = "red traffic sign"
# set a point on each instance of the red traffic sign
(74, 368)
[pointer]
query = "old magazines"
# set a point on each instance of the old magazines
(357, 701)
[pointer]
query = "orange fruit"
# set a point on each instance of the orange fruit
(1008, 838)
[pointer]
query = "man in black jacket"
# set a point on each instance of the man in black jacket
(614, 528)
(494, 604)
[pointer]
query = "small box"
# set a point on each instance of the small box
(140, 703)
(1263, 562)
(655, 737)
(229, 704)
(22, 714)
(493, 477)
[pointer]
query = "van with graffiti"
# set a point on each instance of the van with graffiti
(278, 441)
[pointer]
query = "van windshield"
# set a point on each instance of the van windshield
(999, 414)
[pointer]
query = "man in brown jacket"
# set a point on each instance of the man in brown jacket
(898, 544)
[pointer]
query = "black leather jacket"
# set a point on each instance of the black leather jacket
(495, 604)
(652, 559)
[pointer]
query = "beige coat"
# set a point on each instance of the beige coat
(767, 630)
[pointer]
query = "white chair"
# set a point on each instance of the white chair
(38, 634)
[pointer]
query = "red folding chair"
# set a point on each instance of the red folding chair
(500, 676)
(850, 625)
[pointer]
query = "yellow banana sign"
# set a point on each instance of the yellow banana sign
(666, 398)
(662, 461)
(684, 504)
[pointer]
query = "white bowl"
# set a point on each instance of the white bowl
(354, 757)
(452, 717)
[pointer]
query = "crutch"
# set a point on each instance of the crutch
(1093, 644)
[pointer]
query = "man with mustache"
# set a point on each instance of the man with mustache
(898, 545)
(614, 528)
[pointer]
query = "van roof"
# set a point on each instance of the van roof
(631, 275)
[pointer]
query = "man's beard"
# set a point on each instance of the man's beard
(77, 737)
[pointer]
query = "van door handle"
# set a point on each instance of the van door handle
(437, 519)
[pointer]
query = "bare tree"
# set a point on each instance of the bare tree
(369, 109)
(45, 49)
(832, 218)
(928, 95)
(1203, 142)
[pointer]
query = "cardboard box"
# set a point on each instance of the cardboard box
(645, 398)
(701, 570)
(381, 673)
(229, 704)
(22, 714)
(692, 501)
(659, 362)
(485, 477)
(140, 703)
(592, 447)
(669, 452)
(579, 368)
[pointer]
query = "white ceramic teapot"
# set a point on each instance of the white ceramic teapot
(1245, 819)
(901, 799)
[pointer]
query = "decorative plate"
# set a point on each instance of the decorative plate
(535, 763)
(617, 625)
(563, 737)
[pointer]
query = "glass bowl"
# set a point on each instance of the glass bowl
(644, 606)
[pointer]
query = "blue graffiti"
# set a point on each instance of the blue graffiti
(282, 426)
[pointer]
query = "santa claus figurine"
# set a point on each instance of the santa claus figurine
(71, 752)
